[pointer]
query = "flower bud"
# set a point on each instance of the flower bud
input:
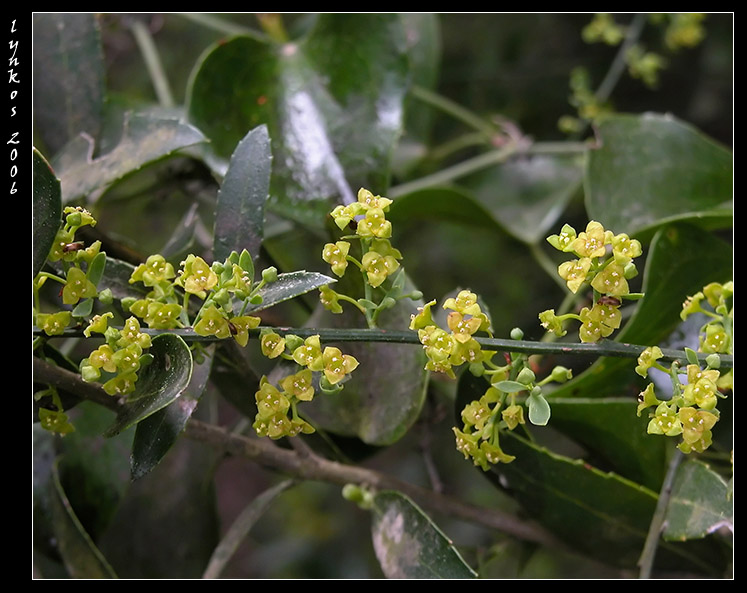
(526, 376)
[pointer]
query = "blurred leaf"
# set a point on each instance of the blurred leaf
(145, 138)
(156, 434)
(81, 557)
(240, 212)
(700, 503)
(94, 483)
(383, 396)
(650, 169)
(614, 435)
(332, 102)
(46, 210)
(159, 384)
(167, 526)
(441, 203)
(288, 286)
(526, 195)
(409, 545)
(69, 77)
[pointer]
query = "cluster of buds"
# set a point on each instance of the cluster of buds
(118, 361)
(448, 349)
(223, 286)
(82, 267)
(605, 262)
(691, 410)
(274, 404)
(513, 388)
(379, 260)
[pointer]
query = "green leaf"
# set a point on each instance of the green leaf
(69, 77)
(511, 386)
(156, 434)
(47, 210)
(409, 545)
(332, 102)
(288, 286)
(159, 384)
(539, 410)
(700, 503)
(80, 555)
(240, 211)
(650, 169)
(527, 195)
(145, 138)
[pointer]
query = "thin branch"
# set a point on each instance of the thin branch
(602, 348)
(153, 63)
(646, 561)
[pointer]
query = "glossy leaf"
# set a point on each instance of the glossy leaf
(159, 384)
(69, 77)
(156, 434)
(653, 168)
(240, 211)
(80, 555)
(700, 503)
(332, 102)
(409, 545)
(145, 138)
(47, 210)
(527, 194)
(288, 286)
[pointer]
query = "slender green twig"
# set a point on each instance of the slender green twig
(153, 62)
(603, 348)
(448, 174)
(223, 26)
(617, 67)
(454, 109)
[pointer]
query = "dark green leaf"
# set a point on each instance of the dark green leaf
(614, 435)
(145, 139)
(653, 168)
(332, 102)
(156, 434)
(159, 384)
(240, 212)
(167, 525)
(82, 558)
(409, 545)
(700, 503)
(47, 210)
(69, 77)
